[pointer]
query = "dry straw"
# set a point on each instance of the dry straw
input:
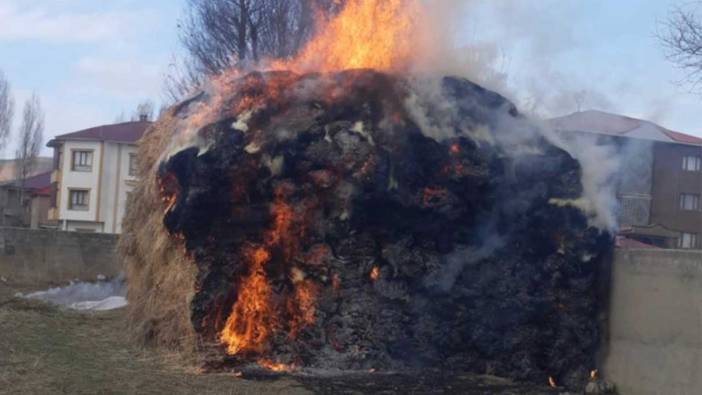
(160, 275)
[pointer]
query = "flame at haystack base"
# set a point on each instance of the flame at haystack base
(251, 320)
(254, 317)
(275, 366)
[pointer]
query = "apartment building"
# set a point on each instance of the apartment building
(94, 172)
(659, 181)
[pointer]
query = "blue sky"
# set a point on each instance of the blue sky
(87, 60)
(90, 60)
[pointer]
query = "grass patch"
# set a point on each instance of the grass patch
(46, 349)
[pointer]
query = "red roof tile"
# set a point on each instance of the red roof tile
(127, 132)
(614, 124)
(625, 242)
(683, 138)
(39, 181)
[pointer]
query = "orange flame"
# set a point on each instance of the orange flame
(551, 382)
(274, 366)
(254, 316)
(593, 374)
(302, 306)
(374, 273)
(251, 319)
(373, 34)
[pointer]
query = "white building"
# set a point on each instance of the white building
(94, 172)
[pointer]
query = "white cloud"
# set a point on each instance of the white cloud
(131, 77)
(40, 22)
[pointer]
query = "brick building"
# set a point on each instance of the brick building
(659, 182)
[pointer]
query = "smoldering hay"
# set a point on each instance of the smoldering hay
(352, 220)
(358, 218)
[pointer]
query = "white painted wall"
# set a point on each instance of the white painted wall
(79, 180)
(110, 187)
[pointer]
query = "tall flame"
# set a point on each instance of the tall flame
(254, 316)
(251, 319)
(375, 34)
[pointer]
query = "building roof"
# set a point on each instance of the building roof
(39, 181)
(625, 242)
(8, 168)
(126, 132)
(39, 184)
(601, 122)
(653, 230)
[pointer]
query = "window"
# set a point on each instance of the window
(689, 201)
(692, 163)
(78, 199)
(132, 165)
(82, 161)
(687, 240)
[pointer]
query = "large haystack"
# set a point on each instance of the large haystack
(363, 220)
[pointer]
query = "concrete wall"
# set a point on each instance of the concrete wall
(655, 323)
(48, 256)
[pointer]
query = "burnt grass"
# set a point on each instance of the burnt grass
(45, 349)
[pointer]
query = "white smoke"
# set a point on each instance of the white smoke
(550, 92)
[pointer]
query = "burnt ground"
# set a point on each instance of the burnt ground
(44, 349)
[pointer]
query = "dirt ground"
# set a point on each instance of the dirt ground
(49, 350)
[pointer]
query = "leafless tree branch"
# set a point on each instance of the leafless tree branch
(220, 34)
(681, 36)
(7, 108)
(144, 111)
(30, 137)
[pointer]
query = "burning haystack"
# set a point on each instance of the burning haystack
(364, 219)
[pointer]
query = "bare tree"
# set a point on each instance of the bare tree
(182, 77)
(144, 111)
(681, 36)
(7, 108)
(30, 137)
(220, 34)
(121, 117)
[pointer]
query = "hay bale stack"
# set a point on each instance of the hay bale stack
(362, 220)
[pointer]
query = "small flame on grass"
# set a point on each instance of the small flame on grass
(593, 374)
(274, 366)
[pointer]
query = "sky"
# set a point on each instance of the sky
(91, 60)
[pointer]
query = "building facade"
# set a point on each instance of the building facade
(659, 177)
(26, 204)
(94, 173)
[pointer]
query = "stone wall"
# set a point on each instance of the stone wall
(655, 322)
(49, 256)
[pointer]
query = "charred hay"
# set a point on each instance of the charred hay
(360, 220)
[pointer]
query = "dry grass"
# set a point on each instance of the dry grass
(160, 276)
(47, 350)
